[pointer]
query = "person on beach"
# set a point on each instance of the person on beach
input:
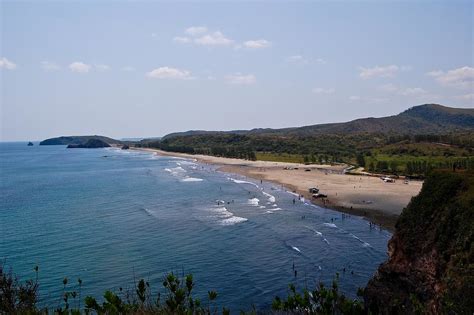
(294, 200)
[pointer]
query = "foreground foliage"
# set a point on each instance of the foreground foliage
(18, 297)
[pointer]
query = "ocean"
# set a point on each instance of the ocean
(111, 216)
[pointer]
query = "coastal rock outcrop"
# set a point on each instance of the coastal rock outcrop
(90, 144)
(77, 140)
(431, 254)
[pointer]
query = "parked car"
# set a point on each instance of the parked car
(317, 196)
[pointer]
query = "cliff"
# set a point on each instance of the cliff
(431, 254)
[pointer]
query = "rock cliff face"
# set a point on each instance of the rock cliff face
(431, 254)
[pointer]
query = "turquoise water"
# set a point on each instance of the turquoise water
(110, 220)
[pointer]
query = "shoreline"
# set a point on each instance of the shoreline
(362, 195)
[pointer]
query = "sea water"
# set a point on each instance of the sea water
(111, 216)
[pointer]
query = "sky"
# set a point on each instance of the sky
(145, 68)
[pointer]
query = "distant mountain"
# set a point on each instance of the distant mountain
(422, 119)
(77, 140)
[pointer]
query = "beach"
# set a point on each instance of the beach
(368, 196)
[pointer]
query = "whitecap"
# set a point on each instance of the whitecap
(296, 248)
(330, 225)
(147, 211)
(271, 198)
(233, 220)
(364, 244)
(176, 171)
(237, 181)
(254, 201)
(226, 217)
(192, 179)
(222, 212)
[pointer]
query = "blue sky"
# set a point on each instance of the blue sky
(143, 68)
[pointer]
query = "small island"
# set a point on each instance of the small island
(30, 144)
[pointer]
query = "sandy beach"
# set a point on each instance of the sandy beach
(367, 196)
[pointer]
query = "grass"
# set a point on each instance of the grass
(280, 157)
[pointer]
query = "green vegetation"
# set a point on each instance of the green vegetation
(77, 140)
(22, 298)
(322, 300)
(396, 154)
(432, 258)
(412, 143)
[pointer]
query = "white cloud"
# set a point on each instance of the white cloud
(298, 59)
(214, 39)
(182, 40)
(169, 73)
(102, 68)
(257, 44)
(241, 79)
(323, 91)
(356, 98)
(459, 78)
(195, 30)
(128, 68)
(49, 66)
(378, 71)
(7, 64)
(79, 67)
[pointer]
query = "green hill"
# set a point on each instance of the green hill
(77, 140)
(413, 142)
(422, 119)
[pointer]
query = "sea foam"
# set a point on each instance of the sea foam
(254, 201)
(192, 179)
(271, 198)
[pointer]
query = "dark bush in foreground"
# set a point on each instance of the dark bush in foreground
(18, 297)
